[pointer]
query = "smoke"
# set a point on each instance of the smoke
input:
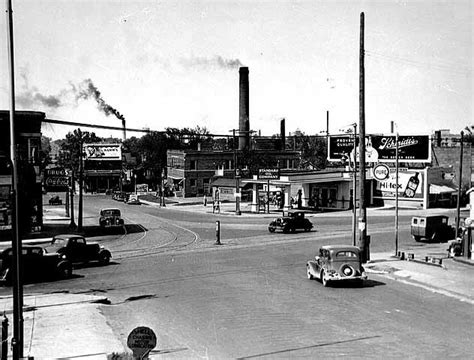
(32, 98)
(87, 90)
(214, 62)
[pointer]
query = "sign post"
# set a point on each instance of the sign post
(141, 341)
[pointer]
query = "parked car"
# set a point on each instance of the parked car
(37, 264)
(119, 196)
(132, 199)
(336, 263)
(110, 217)
(433, 227)
(55, 200)
(76, 249)
(293, 221)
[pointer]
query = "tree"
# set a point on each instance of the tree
(69, 155)
(313, 151)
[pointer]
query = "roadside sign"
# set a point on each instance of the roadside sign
(268, 174)
(141, 341)
(381, 172)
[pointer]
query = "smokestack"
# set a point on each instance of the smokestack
(124, 130)
(244, 125)
(282, 134)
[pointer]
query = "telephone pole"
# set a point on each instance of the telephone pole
(363, 243)
(17, 339)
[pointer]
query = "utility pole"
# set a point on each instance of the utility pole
(458, 207)
(364, 246)
(17, 340)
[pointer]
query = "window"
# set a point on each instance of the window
(346, 254)
(193, 165)
(193, 182)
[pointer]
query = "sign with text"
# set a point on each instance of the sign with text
(103, 152)
(56, 179)
(382, 148)
(268, 174)
(141, 341)
(410, 185)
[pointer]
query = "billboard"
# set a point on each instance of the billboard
(410, 185)
(103, 152)
(382, 148)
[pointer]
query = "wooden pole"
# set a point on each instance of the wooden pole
(362, 203)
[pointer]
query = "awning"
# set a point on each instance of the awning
(441, 189)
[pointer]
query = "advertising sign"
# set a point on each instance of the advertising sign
(103, 152)
(382, 148)
(268, 174)
(56, 179)
(409, 185)
(381, 172)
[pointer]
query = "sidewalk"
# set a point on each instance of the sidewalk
(52, 330)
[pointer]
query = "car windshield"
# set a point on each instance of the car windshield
(59, 241)
(111, 212)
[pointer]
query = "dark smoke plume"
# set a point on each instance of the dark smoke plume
(31, 98)
(88, 90)
(215, 62)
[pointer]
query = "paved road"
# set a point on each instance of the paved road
(250, 298)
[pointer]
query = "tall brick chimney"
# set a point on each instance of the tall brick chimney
(282, 134)
(244, 125)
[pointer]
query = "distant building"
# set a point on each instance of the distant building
(28, 140)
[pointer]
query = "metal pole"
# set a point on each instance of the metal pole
(237, 185)
(354, 190)
(268, 196)
(72, 224)
(396, 193)
(17, 340)
(362, 205)
(81, 180)
(458, 207)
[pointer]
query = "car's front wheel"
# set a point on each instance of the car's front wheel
(104, 259)
(65, 271)
(308, 273)
(271, 229)
(324, 280)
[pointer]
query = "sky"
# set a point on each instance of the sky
(160, 64)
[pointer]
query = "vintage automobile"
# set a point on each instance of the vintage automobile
(295, 220)
(336, 263)
(434, 228)
(37, 264)
(110, 217)
(76, 249)
(55, 200)
(132, 199)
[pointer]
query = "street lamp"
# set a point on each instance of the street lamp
(353, 167)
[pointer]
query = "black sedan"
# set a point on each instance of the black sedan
(37, 265)
(293, 221)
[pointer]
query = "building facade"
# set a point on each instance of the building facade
(29, 185)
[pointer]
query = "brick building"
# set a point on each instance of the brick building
(28, 140)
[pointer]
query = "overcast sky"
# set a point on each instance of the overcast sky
(162, 64)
